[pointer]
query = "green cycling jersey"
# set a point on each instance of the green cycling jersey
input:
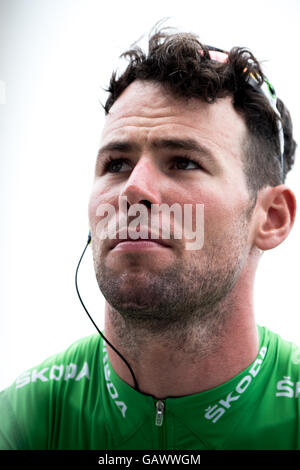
(75, 400)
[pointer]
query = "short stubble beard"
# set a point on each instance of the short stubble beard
(186, 305)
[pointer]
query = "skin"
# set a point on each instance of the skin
(183, 319)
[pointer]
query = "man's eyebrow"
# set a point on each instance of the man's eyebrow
(128, 146)
(119, 146)
(181, 144)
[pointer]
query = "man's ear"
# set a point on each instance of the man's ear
(276, 211)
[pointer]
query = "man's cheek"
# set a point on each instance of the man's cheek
(99, 200)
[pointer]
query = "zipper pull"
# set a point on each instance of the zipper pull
(160, 406)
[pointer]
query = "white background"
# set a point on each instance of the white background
(56, 56)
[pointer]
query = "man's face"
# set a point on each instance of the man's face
(170, 150)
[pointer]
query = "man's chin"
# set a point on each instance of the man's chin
(132, 303)
(147, 317)
(133, 263)
(129, 280)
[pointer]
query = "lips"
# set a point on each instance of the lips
(152, 237)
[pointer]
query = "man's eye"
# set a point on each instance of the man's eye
(116, 165)
(184, 163)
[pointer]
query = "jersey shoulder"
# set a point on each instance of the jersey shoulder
(286, 368)
(286, 354)
(30, 404)
(65, 365)
(270, 419)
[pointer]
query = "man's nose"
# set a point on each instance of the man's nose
(143, 184)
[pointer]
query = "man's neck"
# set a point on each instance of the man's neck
(188, 360)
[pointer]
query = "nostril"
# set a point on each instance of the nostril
(146, 203)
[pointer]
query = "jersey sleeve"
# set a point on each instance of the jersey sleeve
(10, 434)
(31, 408)
(24, 412)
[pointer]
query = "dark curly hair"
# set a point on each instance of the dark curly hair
(183, 66)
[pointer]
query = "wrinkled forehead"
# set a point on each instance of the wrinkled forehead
(144, 95)
(147, 104)
(146, 99)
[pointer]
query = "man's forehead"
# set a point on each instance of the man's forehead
(145, 96)
(147, 105)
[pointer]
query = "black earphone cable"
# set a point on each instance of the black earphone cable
(100, 333)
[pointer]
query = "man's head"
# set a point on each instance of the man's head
(180, 128)
(183, 66)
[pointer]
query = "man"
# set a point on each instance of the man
(189, 368)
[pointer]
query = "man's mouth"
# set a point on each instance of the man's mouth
(130, 241)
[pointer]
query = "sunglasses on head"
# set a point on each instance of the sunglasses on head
(265, 88)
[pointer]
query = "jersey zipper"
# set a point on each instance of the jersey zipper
(159, 417)
(160, 423)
